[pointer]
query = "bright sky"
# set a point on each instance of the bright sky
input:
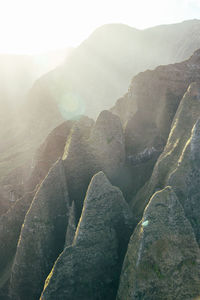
(33, 26)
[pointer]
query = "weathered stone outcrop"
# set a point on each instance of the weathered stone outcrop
(107, 144)
(90, 268)
(11, 222)
(184, 120)
(92, 148)
(185, 179)
(77, 161)
(125, 108)
(157, 94)
(149, 108)
(10, 227)
(163, 257)
(48, 153)
(42, 236)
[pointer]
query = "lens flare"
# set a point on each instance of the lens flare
(71, 105)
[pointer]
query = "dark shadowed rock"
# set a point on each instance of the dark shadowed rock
(163, 257)
(42, 236)
(89, 269)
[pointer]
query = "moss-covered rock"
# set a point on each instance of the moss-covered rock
(90, 268)
(163, 257)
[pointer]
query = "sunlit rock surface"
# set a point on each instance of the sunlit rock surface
(185, 179)
(163, 257)
(90, 268)
(185, 118)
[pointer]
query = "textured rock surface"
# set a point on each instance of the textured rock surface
(107, 144)
(185, 179)
(89, 269)
(48, 153)
(11, 222)
(184, 120)
(10, 226)
(77, 161)
(42, 236)
(163, 257)
(71, 227)
(156, 95)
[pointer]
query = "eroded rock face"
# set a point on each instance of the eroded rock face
(71, 227)
(147, 111)
(107, 144)
(89, 269)
(184, 120)
(77, 161)
(42, 236)
(185, 179)
(48, 153)
(12, 220)
(10, 227)
(163, 257)
(155, 96)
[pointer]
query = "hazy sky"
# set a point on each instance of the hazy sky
(31, 26)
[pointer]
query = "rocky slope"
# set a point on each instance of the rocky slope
(69, 239)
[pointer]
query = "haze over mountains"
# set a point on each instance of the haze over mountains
(92, 78)
(74, 191)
